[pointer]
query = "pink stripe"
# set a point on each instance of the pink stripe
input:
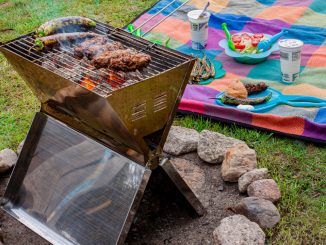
(192, 105)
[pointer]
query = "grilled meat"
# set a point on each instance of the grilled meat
(125, 60)
(230, 100)
(81, 48)
(95, 50)
(255, 88)
(111, 55)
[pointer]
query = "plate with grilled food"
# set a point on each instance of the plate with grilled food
(263, 99)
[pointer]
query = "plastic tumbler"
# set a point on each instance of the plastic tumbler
(290, 58)
(198, 29)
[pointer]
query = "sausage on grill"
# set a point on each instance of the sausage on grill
(53, 26)
(49, 41)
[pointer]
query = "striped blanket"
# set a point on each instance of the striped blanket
(305, 20)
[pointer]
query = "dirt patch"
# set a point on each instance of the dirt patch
(171, 221)
(5, 4)
(164, 217)
(6, 30)
(13, 231)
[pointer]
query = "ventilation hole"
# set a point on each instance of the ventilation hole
(138, 111)
(160, 102)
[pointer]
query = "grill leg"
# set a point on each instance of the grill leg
(182, 186)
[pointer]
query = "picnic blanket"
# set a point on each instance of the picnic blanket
(305, 20)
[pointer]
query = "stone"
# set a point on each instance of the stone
(221, 187)
(258, 210)
(238, 160)
(193, 175)
(266, 189)
(20, 147)
(212, 146)
(8, 158)
(237, 229)
(181, 140)
(247, 178)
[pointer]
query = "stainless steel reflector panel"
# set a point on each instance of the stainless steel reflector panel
(72, 190)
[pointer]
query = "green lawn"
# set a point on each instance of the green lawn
(298, 167)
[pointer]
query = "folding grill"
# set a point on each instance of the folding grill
(90, 150)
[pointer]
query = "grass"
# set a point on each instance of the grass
(298, 167)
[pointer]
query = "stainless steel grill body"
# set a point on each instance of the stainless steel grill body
(133, 116)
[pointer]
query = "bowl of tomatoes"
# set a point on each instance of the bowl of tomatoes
(246, 50)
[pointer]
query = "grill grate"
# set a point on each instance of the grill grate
(102, 81)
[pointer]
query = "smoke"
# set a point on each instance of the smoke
(67, 43)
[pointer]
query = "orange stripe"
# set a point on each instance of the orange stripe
(222, 83)
(290, 125)
(318, 58)
(175, 28)
(215, 6)
(285, 13)
(305, 89)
